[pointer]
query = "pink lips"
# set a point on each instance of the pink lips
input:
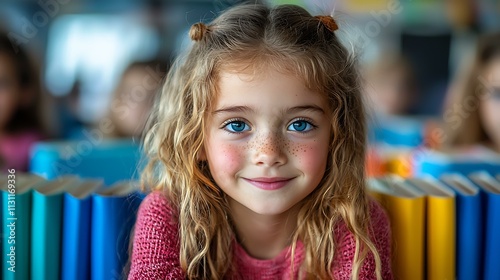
(269, 184)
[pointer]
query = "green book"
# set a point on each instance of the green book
(16, 191)
(46, 221)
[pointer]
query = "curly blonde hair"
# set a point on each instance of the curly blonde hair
(288, 38)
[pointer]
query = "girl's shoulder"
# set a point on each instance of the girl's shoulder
(155, 253)
(157, 205)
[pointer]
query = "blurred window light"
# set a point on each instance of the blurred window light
(93, 51)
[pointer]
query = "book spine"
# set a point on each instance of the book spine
(112, 221)
(46, 236)
(407, 222)
(469, 235)
(76, 238)
(441, 236)
(16, 236)
(492, 238)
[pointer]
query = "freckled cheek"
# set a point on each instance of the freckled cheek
(311, 156)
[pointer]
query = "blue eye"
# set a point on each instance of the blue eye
(236, 126)
(300, 126)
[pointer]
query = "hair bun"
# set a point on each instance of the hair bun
(328, 22)
(197, 31)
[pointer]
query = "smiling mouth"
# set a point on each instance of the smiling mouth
(269, 184)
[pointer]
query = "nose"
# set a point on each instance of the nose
(269, 150)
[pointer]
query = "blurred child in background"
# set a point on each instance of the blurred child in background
(472, 113)
(390, 85)
(20, 99)
(133, 98)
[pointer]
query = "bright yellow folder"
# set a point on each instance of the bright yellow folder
(405, 207)
(440, 231)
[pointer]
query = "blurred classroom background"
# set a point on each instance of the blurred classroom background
(98, 64)
(78, 78)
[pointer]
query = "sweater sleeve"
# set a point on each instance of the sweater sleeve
(155, 253)
(380, 236)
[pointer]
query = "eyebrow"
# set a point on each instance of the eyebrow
(313, 108)
(246, 109)
(233, 109)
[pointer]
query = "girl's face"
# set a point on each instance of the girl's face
(490, 106)
(9, 90)
(267, 140)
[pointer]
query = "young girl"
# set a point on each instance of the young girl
(20, 124)
(472, 115)
(256, 158)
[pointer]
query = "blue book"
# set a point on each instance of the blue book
(469, 226)
(16, 216)
(113, 216)
(397, 131)
(110, 160)
(490, 190)
(77, 207)
(464, 161)
(46, 220)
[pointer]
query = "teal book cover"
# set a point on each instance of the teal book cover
(16, 228)
(119, 159)
(46, 221)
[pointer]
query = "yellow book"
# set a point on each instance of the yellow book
(441, 228)
(405, 206)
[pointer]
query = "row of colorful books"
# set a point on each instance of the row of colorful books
(445, 228)
(66, 228)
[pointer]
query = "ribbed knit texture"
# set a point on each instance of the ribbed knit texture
(155, 252)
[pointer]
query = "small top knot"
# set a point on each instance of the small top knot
(197, 31)
(328, 22)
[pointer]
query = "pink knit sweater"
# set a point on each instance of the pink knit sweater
(155, 253)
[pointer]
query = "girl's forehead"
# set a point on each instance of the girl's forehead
(255, 65)
(246, 82)
(258, 68)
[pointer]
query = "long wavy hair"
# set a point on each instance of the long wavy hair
(289, 39)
